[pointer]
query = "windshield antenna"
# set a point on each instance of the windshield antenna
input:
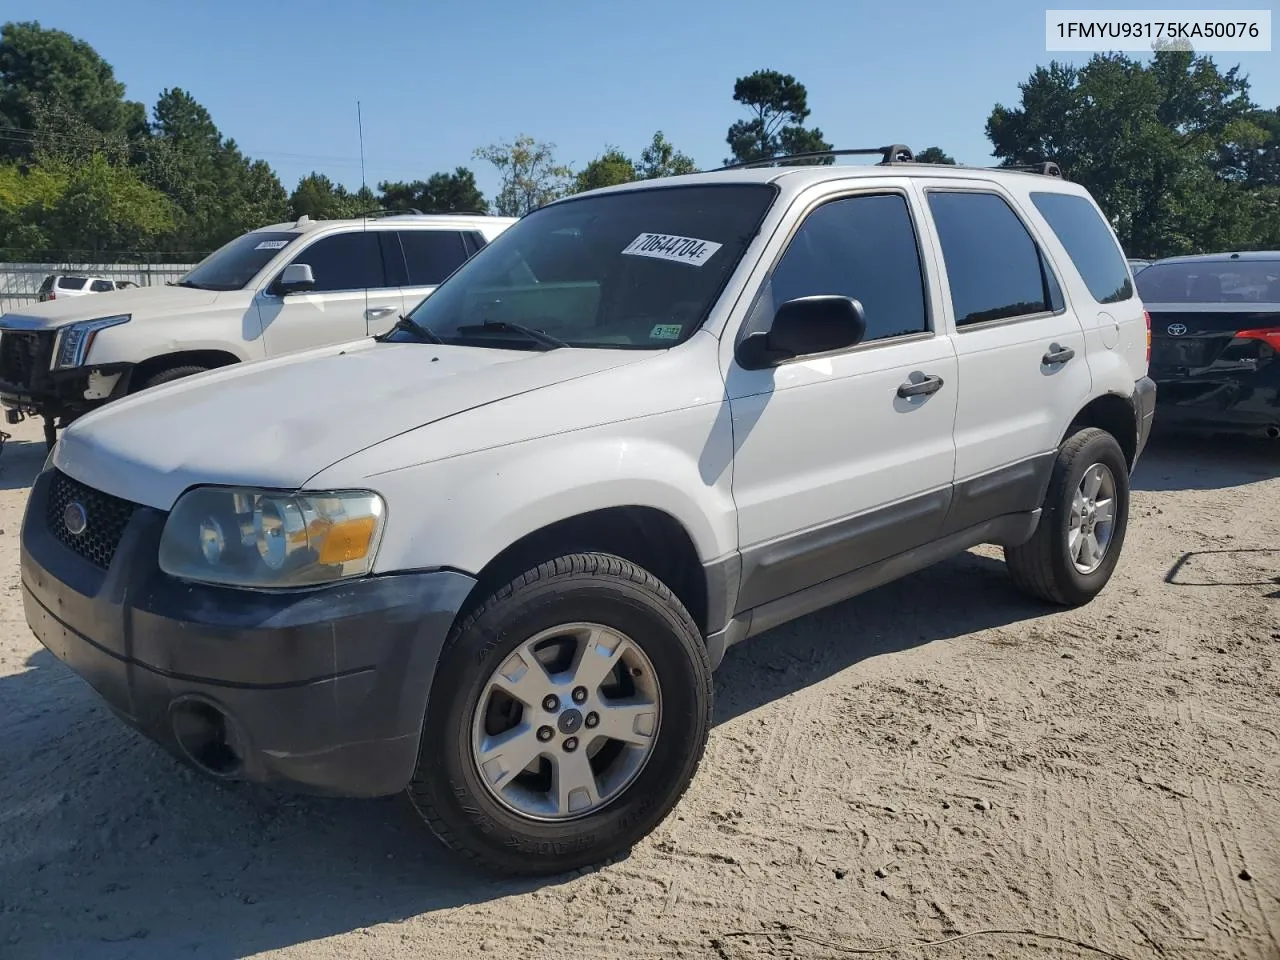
(364, 218)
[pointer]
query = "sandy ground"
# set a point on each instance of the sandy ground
(936, 758)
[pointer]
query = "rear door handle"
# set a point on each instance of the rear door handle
(1057, 354)
(374, 313)
(920, 388)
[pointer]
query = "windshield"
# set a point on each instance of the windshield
(234, 264)
(634, 270)
(1211, 281)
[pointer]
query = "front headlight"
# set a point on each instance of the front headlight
(261, 538)
(75, 340)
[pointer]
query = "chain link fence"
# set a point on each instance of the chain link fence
(20, 281)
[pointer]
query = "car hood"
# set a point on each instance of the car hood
(141, 304)
(277, 423)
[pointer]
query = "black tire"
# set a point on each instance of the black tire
(1042, 567)
(447, 791)
(171, 374)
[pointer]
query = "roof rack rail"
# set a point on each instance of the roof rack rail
(894, 153)
(1046, 168)
(388, 212)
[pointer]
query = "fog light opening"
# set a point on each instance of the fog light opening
(207, 737)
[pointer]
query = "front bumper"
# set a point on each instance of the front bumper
(322, 690)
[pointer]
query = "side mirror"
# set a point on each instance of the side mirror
(297, 278)
(804, 326)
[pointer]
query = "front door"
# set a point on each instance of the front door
(351, 295)
(844, 459)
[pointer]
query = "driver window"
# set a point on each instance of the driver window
(347, 261)
(861, 247)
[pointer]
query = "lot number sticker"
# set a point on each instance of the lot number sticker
(666, 331)
(663, 246)
(272, 245)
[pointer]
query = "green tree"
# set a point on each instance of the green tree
(105, 208)
(530, 177)
(612, 167)
(442, 193)
(661, 159)
(220, 192)
(1152, 142)
(38, 62)
(26, 197)
(934, 155)
(779, 105)
(318, 197)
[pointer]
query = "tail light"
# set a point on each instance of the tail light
(1146, 317)
(1268, 335)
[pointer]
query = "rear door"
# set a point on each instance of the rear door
(351, 294)
(429, 255)
(1023, 372)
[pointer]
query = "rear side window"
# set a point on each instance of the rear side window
(1089, 244)
(431, 255)
(475, 242)
(994, 267)
(860, 247)
(347, 261)
(71, 283)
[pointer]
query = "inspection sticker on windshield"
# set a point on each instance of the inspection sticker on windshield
(272, 245)
(666, 331)
(662, 246)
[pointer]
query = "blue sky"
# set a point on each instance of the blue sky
(436, 80)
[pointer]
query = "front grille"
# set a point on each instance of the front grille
(105, 519)
(23, 356)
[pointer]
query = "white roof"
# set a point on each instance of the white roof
(455, 220)
(796, 178)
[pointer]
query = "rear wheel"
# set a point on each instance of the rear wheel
(568, 715)
(1077, 544)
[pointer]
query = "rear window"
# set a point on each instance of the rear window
(71, 283)
(1211, 281)
(46, 285)
(1089, 244)
(431, 255)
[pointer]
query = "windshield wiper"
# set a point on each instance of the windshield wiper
(409, 325)
(545, 340)
(188, 283)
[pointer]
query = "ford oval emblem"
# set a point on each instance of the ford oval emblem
(1177, 329)
(74, 518)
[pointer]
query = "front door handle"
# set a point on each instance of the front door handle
(1057, 354)
(920, 388)
(375, 313)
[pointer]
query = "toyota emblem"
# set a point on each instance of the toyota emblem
(74, 518)
(1177, 329)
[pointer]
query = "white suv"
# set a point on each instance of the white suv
(492, 558)
(59, 285)
(272, 291)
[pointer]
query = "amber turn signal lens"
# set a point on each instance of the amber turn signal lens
(347, 540)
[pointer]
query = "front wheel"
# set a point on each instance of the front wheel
(568, 715)
(1083, 521)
